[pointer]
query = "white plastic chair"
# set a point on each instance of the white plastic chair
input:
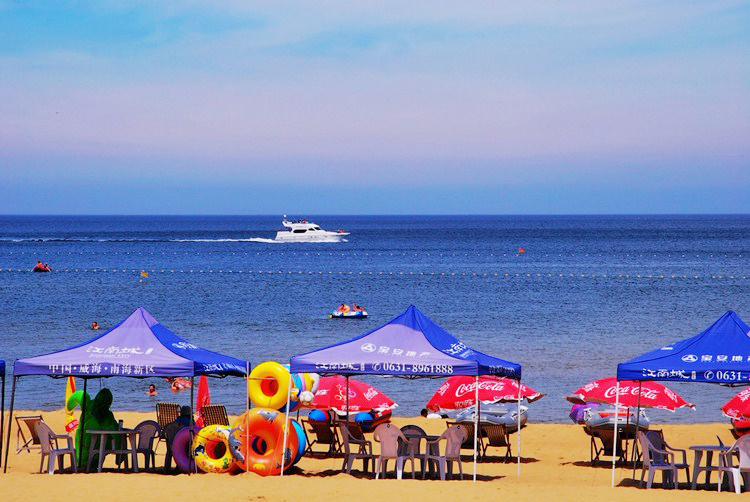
(46, 439)
(388, 436)
(726, 463)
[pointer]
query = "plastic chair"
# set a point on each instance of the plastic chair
(325, 434)
(740, 447)
(659, 456)
(412, 449)
(32, 442)
(388, 436)
(497, 436)
(148, 430)
(454, 436)
(352, 436)
(46, 440)
(214, 414)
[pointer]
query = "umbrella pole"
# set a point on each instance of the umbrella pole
(518, 418)
(10, 418)
(614, 445)
(286, 422)
(476, 425)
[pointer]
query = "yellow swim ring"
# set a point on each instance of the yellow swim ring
(209, 456)
(268, 385)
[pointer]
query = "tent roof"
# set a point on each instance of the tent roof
(720, 354)
(410, 346)
(137, 347)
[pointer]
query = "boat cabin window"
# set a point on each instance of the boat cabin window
(300, 231)
(316, 228)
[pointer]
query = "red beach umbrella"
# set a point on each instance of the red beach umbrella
(331, 394)
(738, 407)
(652, 394)
(458, 392)
(204, 399)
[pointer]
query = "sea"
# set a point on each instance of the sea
(567, 297)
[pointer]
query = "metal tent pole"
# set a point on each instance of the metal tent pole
(82, 429)
(247, 411)
(10, 418)
(192, 409)
(518, 431)
(637, 427)
(2, 419)
(286, 422)
(476, 424)
(614, 446)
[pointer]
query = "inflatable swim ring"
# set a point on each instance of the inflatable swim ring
(209, 455)
(260, 433)
(268, 384)
(181, 451)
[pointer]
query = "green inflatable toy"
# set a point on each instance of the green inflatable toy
(98, 417)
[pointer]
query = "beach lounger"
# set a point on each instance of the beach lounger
(454, 436)
(325, 434)
(388, 436)
(50, 448)
(659, 456)
(468, 443)
(214, 414)
(353, 437)
(603, 444)
(497, 436)
(166, 413)
(32, 442)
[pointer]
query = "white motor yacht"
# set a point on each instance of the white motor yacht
(305, 231)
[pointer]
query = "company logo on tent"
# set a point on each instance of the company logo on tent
(368, 347)
(689, 358)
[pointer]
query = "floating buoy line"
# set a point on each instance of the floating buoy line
(520, 252)
(506, 275)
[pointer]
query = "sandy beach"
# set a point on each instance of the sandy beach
(554, 465)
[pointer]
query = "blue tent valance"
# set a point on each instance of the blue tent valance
(720, 354)
(410, 346)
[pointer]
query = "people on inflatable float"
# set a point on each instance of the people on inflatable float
(97, 417)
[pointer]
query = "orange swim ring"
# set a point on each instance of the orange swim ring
(260, 432)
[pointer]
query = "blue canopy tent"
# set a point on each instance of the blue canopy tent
(2, 407)
(138, 347)
(719, 355)
(410, 346)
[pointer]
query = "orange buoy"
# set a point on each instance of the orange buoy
(521, 250)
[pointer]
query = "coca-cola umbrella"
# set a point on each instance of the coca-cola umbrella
(458, 393)
(738, 408)
(645, 394)
(331, 394)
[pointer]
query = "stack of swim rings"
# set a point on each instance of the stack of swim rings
(253, 443)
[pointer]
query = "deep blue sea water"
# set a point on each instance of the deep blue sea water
(589, 292)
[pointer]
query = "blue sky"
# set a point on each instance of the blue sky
(242, 107)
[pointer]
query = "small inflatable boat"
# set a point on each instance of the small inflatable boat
(360, 314)
(41, 268)
(627, 421)
(494, 414)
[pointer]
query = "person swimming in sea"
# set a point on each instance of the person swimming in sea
(151, 390)
(94, 325)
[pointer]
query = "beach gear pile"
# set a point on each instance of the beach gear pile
(255, 441)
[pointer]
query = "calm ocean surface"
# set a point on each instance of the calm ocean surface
(589, 292)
